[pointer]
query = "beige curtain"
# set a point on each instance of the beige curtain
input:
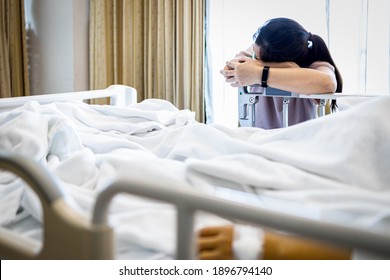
(155, 46)
(13, 50)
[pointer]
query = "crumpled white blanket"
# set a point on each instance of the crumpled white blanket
(337, 164)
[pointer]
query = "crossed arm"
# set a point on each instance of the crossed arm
(244, 71)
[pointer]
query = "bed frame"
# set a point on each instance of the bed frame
(95, 238)
(247, 101)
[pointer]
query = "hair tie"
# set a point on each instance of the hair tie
(309, 41)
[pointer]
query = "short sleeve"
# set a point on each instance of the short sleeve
(321, 64)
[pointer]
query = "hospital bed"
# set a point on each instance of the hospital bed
(71, 233)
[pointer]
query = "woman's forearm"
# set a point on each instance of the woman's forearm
(302, 80)
(282, 75)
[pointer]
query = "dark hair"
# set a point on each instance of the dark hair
(283, 39)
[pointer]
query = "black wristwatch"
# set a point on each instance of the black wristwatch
(264, 76)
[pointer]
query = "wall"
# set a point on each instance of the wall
(57, 39)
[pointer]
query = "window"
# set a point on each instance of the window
(356, 31)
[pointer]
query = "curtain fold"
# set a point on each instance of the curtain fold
(155, 46)
(13, 50)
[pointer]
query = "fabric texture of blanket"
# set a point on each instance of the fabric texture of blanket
(336, 165)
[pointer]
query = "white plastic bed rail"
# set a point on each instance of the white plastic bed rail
(120, 95)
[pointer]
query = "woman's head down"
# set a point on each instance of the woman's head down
(284, 39)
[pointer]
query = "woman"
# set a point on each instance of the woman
(287, 57)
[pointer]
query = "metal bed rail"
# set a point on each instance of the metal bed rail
(69, 235)
(188, 202)
(247, 101)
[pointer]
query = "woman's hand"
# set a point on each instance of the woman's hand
(242, 71)
(215, 243)
(226, 72)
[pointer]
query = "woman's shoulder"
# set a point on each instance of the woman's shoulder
(321, 64)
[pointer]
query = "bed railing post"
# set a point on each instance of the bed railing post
(124, 96)
(321, 107)
(185, 227)
(286, 101)
(246, 107)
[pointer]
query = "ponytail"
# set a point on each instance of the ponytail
(320, 52)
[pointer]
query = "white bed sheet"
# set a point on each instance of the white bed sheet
(331, 168)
